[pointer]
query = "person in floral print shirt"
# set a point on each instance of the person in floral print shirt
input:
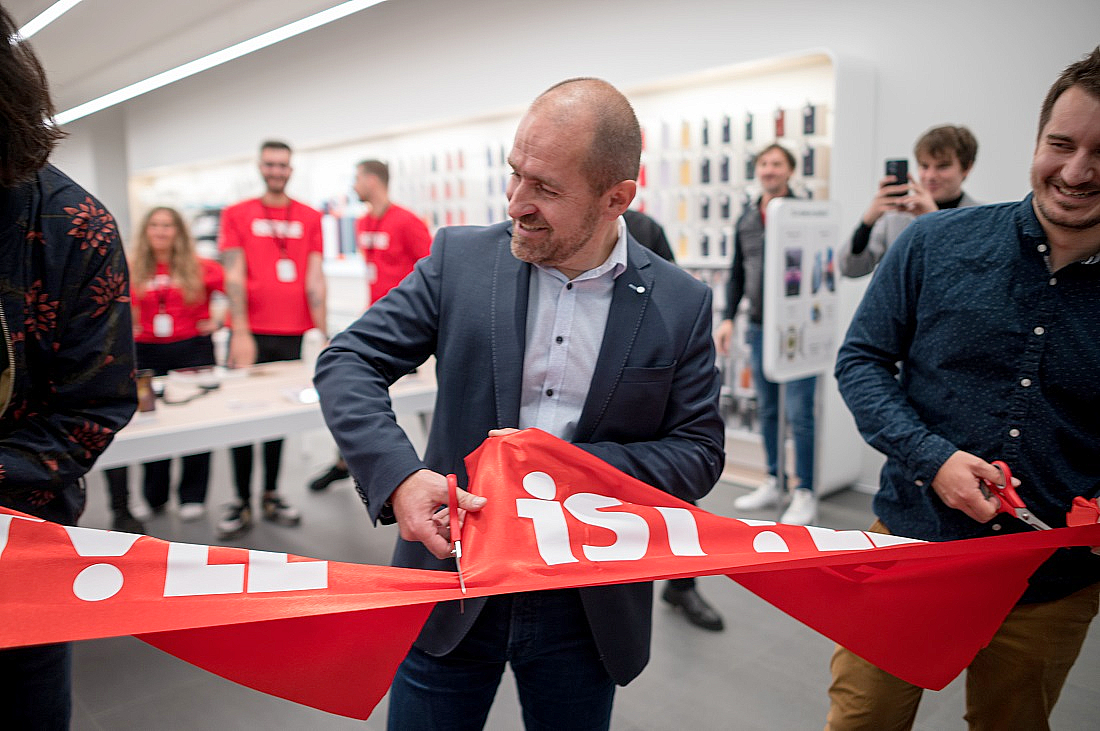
(67, 357)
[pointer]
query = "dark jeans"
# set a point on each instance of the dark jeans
(161, 358)
(269, 348)
(544, 635)
(799, 407)
(36, 687)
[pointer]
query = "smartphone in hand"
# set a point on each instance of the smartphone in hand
(899, 170)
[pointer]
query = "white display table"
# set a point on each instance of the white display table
(266, 403)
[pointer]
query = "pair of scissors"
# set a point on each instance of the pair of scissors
(456, 540)
(1010, 502)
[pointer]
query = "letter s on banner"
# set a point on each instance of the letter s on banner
(631, 531)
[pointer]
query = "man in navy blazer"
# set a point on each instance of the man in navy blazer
(557, 320)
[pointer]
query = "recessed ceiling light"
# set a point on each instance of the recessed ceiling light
(215, 59)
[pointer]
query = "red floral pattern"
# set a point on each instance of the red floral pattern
(93, 225)
(92, 437)
(41, 310)
(109, 288)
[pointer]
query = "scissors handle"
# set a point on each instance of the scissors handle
(452, 509)
(1009, 499)
(1010, 502)
(456, 538)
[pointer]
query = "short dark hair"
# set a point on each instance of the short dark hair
(28, 133)
(776, 146)
(274, 145)
(1084, 73)
(939, 141)
(378, 169)
(615, 150)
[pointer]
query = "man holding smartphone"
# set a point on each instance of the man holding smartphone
(944, 155)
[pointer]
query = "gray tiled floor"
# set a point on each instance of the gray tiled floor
(765, 671)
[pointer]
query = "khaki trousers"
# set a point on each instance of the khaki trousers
(1013, 683)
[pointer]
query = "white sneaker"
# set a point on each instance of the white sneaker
(192, 511)
(765, 496)
(141, 510)
(802, 510)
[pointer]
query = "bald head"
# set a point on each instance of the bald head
(615, 144)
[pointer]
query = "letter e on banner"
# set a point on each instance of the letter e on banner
(269, 571)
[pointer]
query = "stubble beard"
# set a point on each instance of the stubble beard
(553, 251)
(1059, 217)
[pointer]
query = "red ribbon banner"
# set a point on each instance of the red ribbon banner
(330, 635)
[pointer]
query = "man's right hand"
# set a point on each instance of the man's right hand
(886, 199)
(416, 503)
(723, 336)
(242, 350)
(957, 484)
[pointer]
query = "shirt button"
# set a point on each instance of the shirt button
(1039, 330)
(569, 286)
(1042, 248)
(1053, 281)
(918, 483)
(1013, 432)
(549, 392)
(558, 339)
(1025, 382)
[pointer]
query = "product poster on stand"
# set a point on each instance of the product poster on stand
(800, 299)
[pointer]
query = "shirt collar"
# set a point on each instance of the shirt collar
(1032, 229)
(615, 262)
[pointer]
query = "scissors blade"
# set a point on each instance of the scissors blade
(1025, 515)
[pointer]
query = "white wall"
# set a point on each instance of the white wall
(986, 65)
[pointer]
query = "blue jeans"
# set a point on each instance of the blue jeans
(36, 687)
(799, 401)
(544, 635)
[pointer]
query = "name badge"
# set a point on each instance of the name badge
(163, 325)
(286, 271)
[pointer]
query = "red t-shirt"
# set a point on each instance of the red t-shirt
(277, 244)
(162, 296)
(391, 245)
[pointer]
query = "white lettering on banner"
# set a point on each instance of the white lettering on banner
(683, 532)
(5, 523)
(190, 573)
(631, 530)
(276, 228)
(102, 580)
(269, 571)
(547, 518)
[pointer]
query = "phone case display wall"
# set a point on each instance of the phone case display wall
(701, 137)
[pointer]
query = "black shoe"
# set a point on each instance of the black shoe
(695, 608)
(336, 472)
(127, 523)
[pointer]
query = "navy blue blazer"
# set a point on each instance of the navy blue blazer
(651, 410)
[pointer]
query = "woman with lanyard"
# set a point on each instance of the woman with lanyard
(170, 294)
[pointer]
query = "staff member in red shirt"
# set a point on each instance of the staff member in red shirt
(392, 240)
(170, 296)
(272, 251)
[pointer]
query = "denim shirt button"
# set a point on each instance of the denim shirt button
(1013, 432)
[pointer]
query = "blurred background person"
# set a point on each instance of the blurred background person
(170, 296)
(272, 250)
(945, 156)
(67, 361)
(392, 240)
(773, 170)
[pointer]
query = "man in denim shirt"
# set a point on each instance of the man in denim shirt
(992, 313)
